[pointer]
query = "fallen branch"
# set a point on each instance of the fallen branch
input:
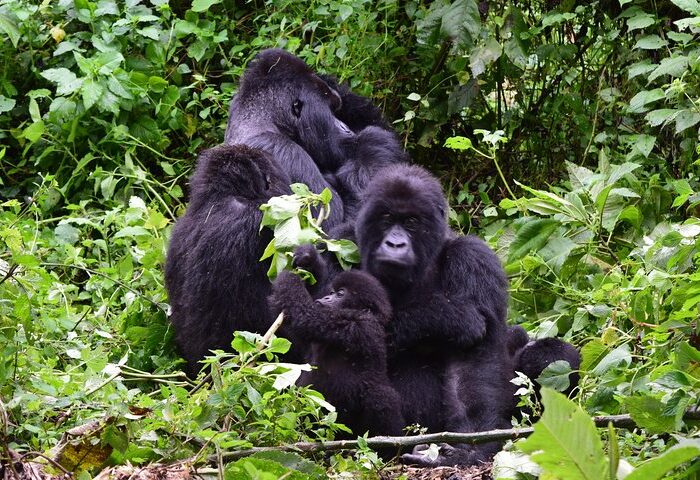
(620, 421)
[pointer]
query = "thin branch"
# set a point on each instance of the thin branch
(474, 438)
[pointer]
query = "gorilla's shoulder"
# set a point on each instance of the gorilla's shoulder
(469, 254)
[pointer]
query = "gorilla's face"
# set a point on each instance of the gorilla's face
(307, 117)
(401, 228)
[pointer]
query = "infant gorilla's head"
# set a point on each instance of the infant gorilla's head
(358, 290)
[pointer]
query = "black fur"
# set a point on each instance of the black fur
(284, 108)
(536, 355)
(346, 334)
(215, 282)
(356, 112)
(448, 341)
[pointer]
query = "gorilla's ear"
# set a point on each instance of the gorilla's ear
(330, 94)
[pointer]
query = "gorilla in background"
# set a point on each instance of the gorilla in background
(347, 337)
(214, 280)
(284, 108)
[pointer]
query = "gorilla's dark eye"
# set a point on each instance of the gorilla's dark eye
(340, 292)
(411, 223)
(267, 182)
(296, 107)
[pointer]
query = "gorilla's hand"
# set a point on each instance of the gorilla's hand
(287, 289)
(308, 258)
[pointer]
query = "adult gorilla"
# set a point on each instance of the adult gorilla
(284, 108)
(216, 283)
(450, 355)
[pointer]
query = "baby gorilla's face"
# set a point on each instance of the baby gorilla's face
(339, 298)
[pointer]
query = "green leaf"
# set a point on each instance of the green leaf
(556, 376)
(647, 412)
(691, 6)
(640, 68)
(458, 143)
(621, 355)
(641, 20)
(203, 5)
(656, 468)
(531, 236)
(92, 91)
(34, 131)
(673, 66)
(66, 81)
(10, 29)
(650, 42)
(663, 115)
(6, 104)
(485, 55)
(132, 232)
(686, 119)
(640, 100)
(591, 354)
(557, 251)
(565, 442)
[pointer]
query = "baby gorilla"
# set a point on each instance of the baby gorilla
(345, 331)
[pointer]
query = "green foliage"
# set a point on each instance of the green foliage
(565, 442)
(592, 204)
(291, 217)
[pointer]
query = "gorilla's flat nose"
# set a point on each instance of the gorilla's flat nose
(396, 239)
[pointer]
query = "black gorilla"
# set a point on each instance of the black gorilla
(346, 332)
(284, 108)
(450, 353)
(215, 282)
(533, 356)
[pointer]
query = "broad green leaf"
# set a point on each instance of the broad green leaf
(650, 42)
(579, 176)
(92, 91)
(641, 20)
(647, 412)
(591, 354)
(640, 68)
(673, 66)
(65, 80)
(7, 104)
(656, 468)
(34, 131)
(686, 119)
(458, 143)
(203, 5)
(565, 442)
(690, 6)
(663, 115)
(643, 144)
(556, 251)
(132, 232)
(556, 375)
(640, 100)
(10, 29)
(484, 55)
(621, 355)
(531, 236)
(619, 171)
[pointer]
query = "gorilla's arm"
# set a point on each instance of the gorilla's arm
(348, 329)
(466, 307)
(299, 167)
